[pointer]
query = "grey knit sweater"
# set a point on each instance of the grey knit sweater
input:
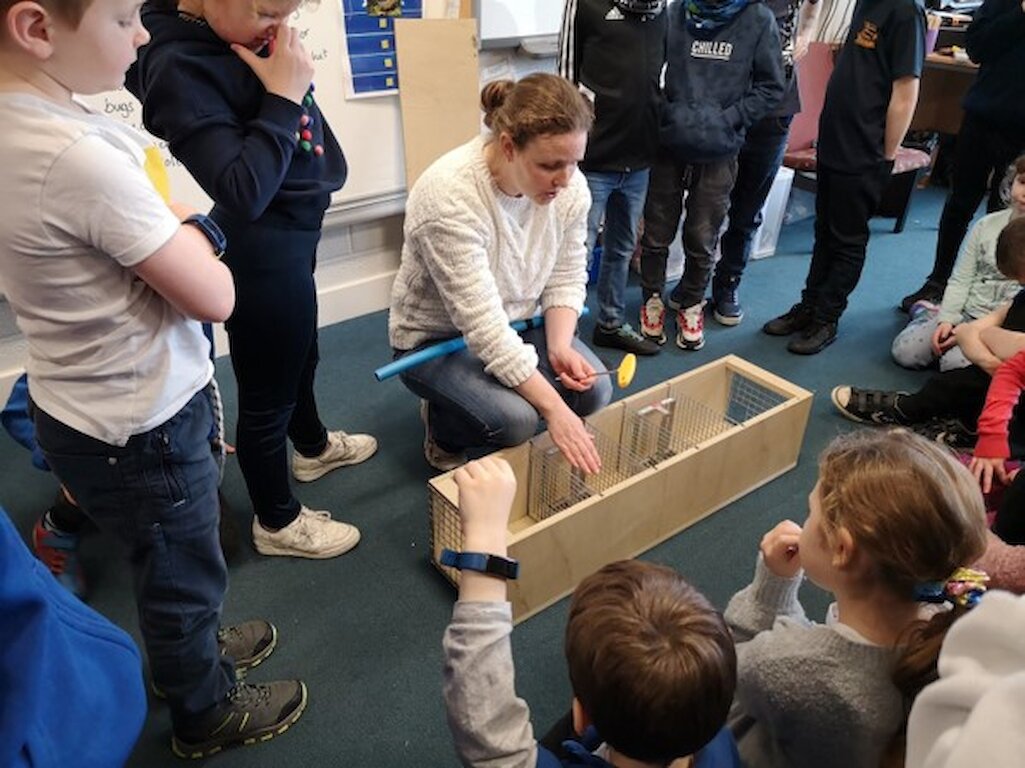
(807, 694)
(475, 258)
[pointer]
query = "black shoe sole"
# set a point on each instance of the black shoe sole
(794, 350)
(199, 751)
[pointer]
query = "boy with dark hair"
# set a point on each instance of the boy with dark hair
(870, 100)
(109, 284)
(724, 72)
(949, 404)
(651, 662)
(614, 51)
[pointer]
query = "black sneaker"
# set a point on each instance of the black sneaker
(248, 643)
(625, 338)
(868, 406)
(797, 318)
(813, 339)
(248, 714)
(931, 292)
(947, 431)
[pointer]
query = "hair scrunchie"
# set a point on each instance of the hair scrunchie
(964, 587)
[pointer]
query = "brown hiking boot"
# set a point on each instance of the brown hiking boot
(247, 715)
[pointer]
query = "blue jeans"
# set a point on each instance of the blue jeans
(472, 409)
(708, 187)
(757, 165)
(620, 198)
(158, 494)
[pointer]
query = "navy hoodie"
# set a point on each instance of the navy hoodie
(238, 141)
(719, 82)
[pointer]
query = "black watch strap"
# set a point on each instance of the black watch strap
(209, 228)
(495, 565)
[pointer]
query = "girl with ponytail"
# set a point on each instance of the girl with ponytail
(893, 520)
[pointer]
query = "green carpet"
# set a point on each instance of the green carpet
(364, 630)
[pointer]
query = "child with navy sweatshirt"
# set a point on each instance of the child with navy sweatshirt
(724, 73)
(228, 84)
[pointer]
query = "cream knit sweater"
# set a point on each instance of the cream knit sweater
(475, 259)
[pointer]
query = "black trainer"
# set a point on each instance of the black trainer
(813, 339)
(868, 406)
(931, 292)
(950, 432)
(625, 338)
(797, 318)
(249, 714)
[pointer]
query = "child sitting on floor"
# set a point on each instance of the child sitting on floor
(892, 521)
(651, 661)
(948, 406)
(976, 288)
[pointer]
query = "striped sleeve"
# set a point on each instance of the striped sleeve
(569, 44)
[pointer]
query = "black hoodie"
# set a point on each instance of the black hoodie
(238, 141)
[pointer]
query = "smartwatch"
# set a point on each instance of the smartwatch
(493, 565)
(210, 230)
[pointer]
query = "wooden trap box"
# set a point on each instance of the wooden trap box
(671, 455)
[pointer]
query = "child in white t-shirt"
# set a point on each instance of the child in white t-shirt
(108, 284)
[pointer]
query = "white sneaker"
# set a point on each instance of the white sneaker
(312, 534)
(690, 327)
(341, 451)
(438, 457)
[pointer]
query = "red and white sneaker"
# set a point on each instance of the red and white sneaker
(653, 319)
(690, 324)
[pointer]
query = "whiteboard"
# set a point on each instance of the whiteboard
(508, 21)
(368, 129)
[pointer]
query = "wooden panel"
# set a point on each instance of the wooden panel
(439, 95)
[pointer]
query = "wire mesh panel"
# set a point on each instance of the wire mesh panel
(748, 398)
(672, 425)
(446, 531)
(553, 485)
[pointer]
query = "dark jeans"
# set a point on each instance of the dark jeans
(273, 339)
(1009, 524)
(472, 409)
(982, 155)
(757, 165)
(158, 494)
(959, 393)
(708, 187)
(844, 202)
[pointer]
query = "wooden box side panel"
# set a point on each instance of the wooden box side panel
(652, 507)
(557, 554)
